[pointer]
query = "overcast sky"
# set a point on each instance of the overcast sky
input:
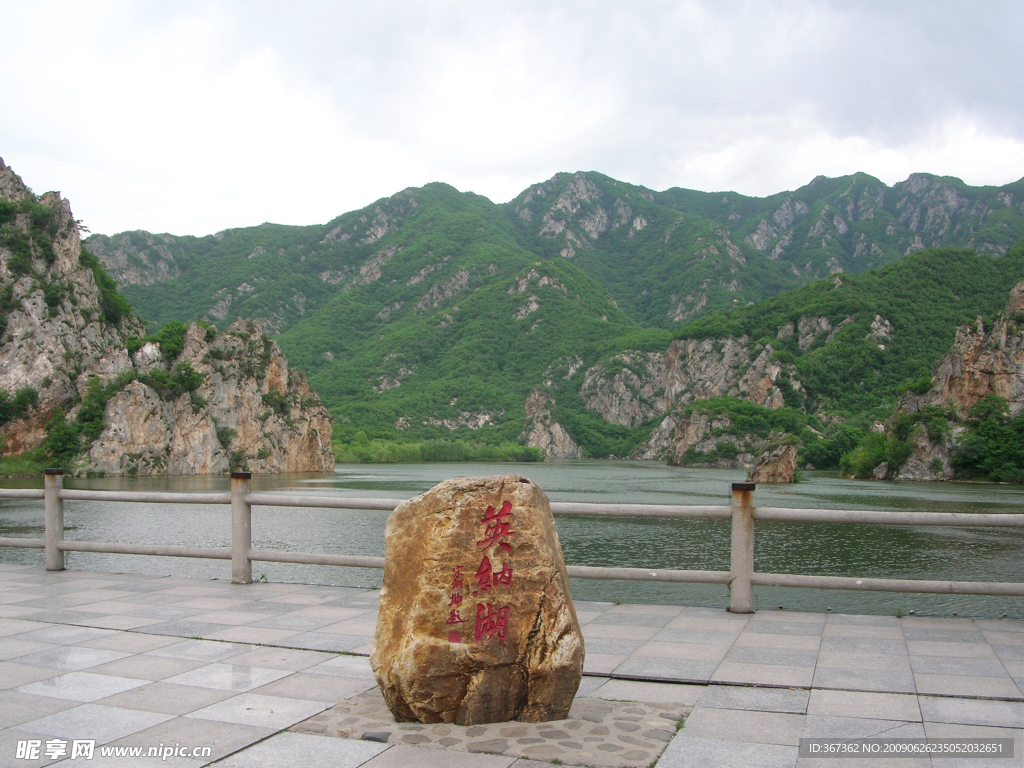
(191, 117)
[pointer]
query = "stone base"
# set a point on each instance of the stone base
(610, 734)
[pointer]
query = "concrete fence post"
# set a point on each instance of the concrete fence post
(53, 518)
(241, 528)
(741, 591)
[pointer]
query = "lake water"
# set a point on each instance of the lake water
(960, 554)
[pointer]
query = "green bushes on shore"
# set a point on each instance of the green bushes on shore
(389, 452)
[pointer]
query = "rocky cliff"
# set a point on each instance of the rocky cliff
(218, 401)
(247, 411)
(985, 359)
(635, 387)
(58, 323)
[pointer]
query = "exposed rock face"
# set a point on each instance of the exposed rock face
(692, 440)
(542, 431)
(476, 622)
(982, 361)
(58, 334)
(775, 466)
(634, 387)
(53, 334)
(250, 412)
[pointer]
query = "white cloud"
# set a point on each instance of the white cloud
(197, 116)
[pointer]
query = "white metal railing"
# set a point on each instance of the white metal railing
(741, 578)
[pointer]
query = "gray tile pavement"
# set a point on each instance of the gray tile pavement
(141, 660)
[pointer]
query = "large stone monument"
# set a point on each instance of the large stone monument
(476, 621)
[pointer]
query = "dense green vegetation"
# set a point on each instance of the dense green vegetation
(993, 448)
(14, 408)
(427, 318)
(924, 297)
(364, 450)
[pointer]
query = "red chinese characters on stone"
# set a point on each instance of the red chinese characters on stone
(497, 528)
(455, 599)
(487, 578)
(490, 622)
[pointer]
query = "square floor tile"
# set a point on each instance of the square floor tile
(402, 756)
(658, 693)
(13, 647)
(787, 657)
(13, 674)
(167, 698)
(228, 677)
(282, 658)
(260, 710)
(305, 750)
(736, 725)
(17, 708)
(1002, 714)
(200, 650)
(763, 674)
(328, 688)
(865, 680)
(223, 738)
(792, 701)
(966, 685)
(883, 706)
(345, 666)
(691, 752)
(81, 686)
(145, 667)
(65, 635)
(72, 658)
(94, 721)
(253, 635)
(130, 642)
(321, 641)
(684, 670)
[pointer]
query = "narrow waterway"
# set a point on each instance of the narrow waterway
(962, 554)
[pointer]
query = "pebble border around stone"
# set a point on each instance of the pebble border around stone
(606, 734)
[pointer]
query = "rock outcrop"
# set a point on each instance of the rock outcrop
(224, 401)
(777, 465)
(57, 326)
(250, 412)
(982, 361)
(633, 387)
(542, 431)
(476, 622)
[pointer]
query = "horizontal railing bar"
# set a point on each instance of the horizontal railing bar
(874, 517)
(312, 558)
(21, 493)
(153, 497)
(1002, 589)
(645, 574)
(327, 502)
(17, 541)
(639, 510)
(160, 550)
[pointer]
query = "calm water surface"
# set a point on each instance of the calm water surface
(842, 550)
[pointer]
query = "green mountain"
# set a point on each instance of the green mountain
(435, 313)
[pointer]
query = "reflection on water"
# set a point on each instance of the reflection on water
(844, 550)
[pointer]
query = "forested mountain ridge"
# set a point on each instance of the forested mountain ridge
(664, 257)
(436, 314)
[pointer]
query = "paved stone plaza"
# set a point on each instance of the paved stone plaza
(277, 675)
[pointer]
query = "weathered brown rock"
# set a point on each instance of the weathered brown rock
(476, 622)
(777, 465)
(542, 431)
